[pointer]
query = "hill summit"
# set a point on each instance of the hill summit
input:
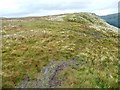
(76, 50)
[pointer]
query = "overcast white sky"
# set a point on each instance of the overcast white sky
(20, 8)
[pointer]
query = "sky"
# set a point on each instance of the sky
(23, 8)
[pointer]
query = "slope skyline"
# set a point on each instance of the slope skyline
(23, 8)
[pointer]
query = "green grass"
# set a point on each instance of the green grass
(43, 40)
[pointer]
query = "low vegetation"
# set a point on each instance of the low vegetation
(31, 43)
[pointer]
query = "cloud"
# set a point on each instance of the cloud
(16, 8)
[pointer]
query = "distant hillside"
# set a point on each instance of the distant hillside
(111, 19)
(78, 50)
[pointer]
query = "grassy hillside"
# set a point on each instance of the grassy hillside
(112, 19)
(31, 43)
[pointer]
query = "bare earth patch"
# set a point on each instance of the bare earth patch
(47, 78)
